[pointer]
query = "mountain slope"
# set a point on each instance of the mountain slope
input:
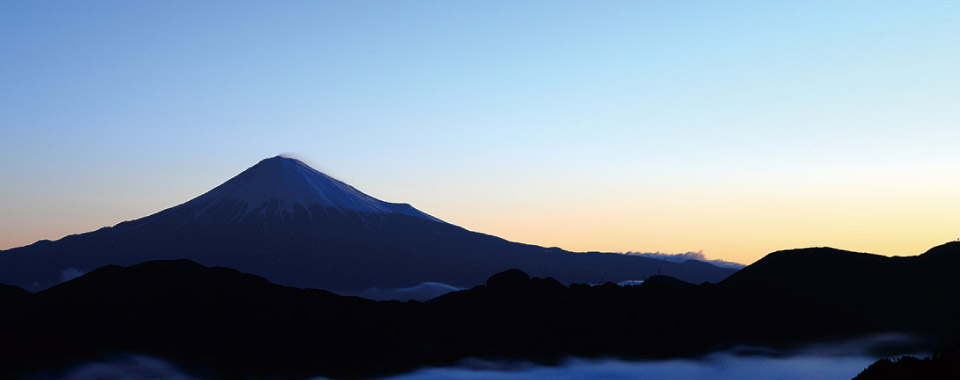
(282, 220)
(859, 292)
(825, 269)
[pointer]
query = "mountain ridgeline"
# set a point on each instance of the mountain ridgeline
(221, 323)
(293, 225)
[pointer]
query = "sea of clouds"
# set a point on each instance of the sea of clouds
(827, 361)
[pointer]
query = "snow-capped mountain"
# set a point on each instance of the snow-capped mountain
(293, 225)
(282, 185)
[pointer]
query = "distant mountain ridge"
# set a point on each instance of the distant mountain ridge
(818, 267)
(293, 225)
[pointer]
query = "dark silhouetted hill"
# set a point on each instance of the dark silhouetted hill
(944, 365)
(223, 323)
(9, 292)
(858, 291)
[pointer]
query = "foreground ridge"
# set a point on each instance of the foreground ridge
(242, 325)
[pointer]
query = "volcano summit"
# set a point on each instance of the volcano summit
(296, 226)
(278, 186)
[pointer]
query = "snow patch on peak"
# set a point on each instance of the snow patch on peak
(290, 182)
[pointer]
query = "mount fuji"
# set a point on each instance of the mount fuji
(281, 186)
(293, 225)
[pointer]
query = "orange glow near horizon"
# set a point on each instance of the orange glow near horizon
(591, 126)
(893, 218)
(891, 215)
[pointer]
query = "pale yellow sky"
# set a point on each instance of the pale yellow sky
(903, 213)
(899, 211)
(612, 126)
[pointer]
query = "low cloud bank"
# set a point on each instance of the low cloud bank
(840, 360)
(681, 257)
(70, 274)
(423, 292)
(714, 367)
(128, 367)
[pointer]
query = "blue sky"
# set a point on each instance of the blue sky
(733, 127)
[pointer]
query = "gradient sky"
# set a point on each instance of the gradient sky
(735, 127)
